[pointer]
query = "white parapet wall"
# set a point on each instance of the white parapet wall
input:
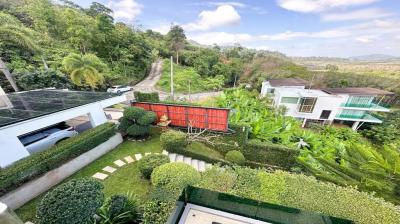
(34, 188)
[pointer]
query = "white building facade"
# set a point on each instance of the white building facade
(350, 106)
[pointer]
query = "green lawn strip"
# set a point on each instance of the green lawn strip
(202, 149)
(125, 179)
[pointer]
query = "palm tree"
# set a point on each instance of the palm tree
(13, 32)
(86, 68)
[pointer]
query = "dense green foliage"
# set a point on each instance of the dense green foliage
(173, 177)
(387, 132)
(235, 157)
(334, 154)
(303, 192)
(119, 209)
(157, 212)
(146, 97)
(136, 121)
(37, 164)
(172, 140)
(148, 163)
(73, 202)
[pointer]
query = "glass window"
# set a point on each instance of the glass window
(307, 104)
(290, 100)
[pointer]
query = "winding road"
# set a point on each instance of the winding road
(148, 84)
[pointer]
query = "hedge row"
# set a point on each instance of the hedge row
(37, 164)
(146, 97)
(273, 154)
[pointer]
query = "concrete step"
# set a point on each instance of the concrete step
(172, 157)
(138, 156)
(208, 166)
(165, 152)
(187, 160)
(195, 164)
(179, 158)
(202, 166)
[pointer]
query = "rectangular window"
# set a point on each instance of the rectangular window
(307, 104)
(270, 90)
(291, 100)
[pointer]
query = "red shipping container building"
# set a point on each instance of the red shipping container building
(215, 119)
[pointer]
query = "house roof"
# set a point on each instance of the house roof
(357, 91)
(23, 106)
(288, 82)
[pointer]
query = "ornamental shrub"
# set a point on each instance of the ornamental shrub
(119, 209)
(149, 162)
(174, 177)
(236, 157)
(157, 212)
(172, 140)
(136, 122)
(146, 97)
(218, 179)
(74, 202)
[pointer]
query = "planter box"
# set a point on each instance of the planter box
(34, 188)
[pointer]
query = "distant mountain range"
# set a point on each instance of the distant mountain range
(374, 57)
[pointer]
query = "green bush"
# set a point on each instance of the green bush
(157, 212)
(136, 122)
(149, 162)
(37, 164)
(273, 154)
(74, 202)
(174, 176)
(218, 179)
(146, 97)
(236, 157)
(119, 209)
(172, 140)
(147, 119)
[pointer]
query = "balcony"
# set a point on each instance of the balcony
(354, 117)
(370, 106)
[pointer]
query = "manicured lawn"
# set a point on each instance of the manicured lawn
(125, 179)
(202, 149)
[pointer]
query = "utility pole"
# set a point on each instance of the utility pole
(172, 78)
(190, 81)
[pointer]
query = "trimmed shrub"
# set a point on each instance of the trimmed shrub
(136, 122)
(149, 162)
(273, 154)
(119, 209)
(146, 97)
(73, 202)
(172, 140)
(37, 164)
(218, 179)
(236, 157)
(174, 177)
(147, 119)
(157, 212)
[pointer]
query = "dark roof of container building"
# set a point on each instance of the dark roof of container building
(357, 91)
(288, 82)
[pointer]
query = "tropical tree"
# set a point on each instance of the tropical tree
(86, 68)
(177, 39)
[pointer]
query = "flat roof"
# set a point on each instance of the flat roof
(357, 91)
(288, 82)
(31, 104)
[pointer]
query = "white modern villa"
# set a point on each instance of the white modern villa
(349, 106)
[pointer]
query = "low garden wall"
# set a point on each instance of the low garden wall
(38, 185)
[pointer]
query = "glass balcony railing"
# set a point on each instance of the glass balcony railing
(366, 117)
(366, 106)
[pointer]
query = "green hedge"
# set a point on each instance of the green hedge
(146, 97)
(273, 154)
(37, 164)
(228, 142)
(236, 157)
(173, 140)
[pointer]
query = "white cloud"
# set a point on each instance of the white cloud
(236, 4)
(162, 28)
(221, 38)
(126, 10)
(363, 14)
(364, 40)
(312, 6)
(224, 15)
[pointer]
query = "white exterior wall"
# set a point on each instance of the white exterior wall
(11, 149)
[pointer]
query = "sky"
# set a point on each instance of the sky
(332, 28)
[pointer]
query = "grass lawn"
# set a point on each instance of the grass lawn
(123, 180)
(202, 149)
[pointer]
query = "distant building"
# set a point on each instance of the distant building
(350, 106)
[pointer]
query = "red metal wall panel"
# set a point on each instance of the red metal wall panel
(215, 119)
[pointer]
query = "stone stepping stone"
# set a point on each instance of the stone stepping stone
(138, 156)
(109, 169)
(100, 176)
(179, 158)
(202, 166)
(165, 152)
(208, 166)
(172, 157)
(119, 163)
(187, 160)
(195, 164)
(147, 153)
(129, 159)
